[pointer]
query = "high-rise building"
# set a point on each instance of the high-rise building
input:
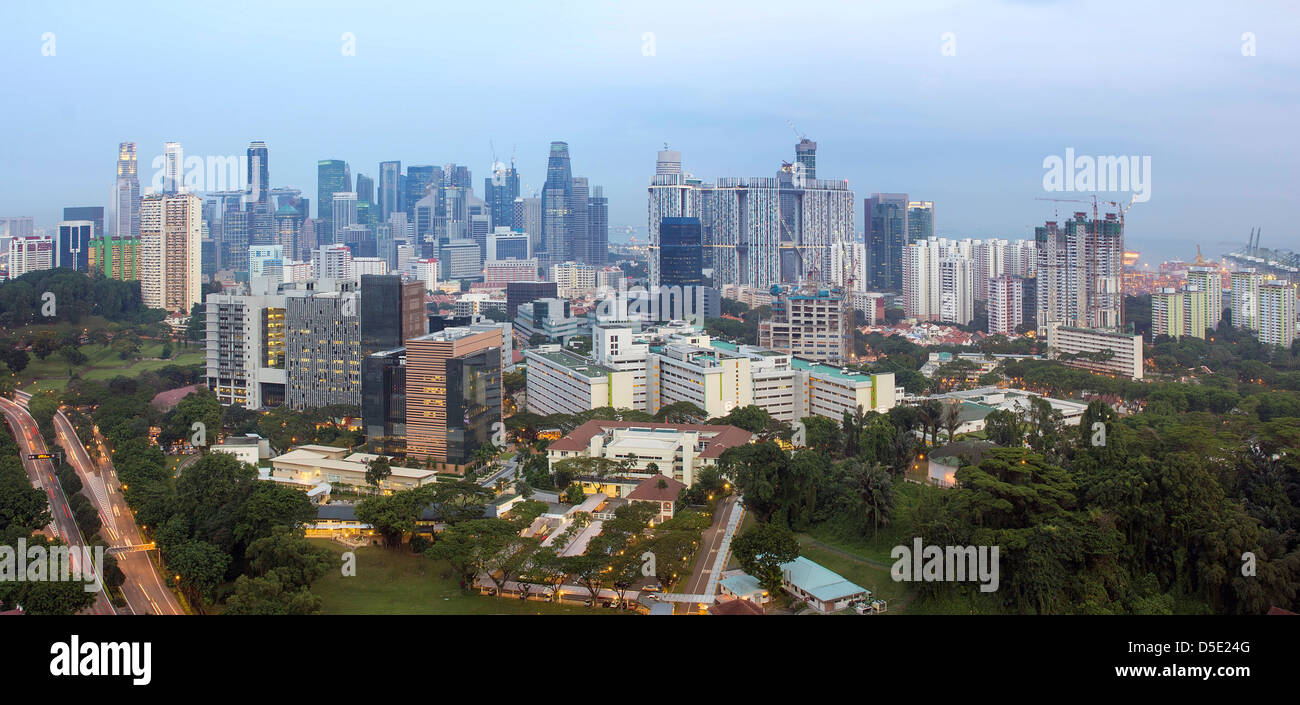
(323, 345)
(527, 292)
(504, 244)
(332, 177)
(126, 193)
(528, 219)
(1080, 273)
(171, 251)
(812, 323)
(500, 191)
(805, 155)
(262, 259)
(421, 181)
(578, 219)
(259, 175)
(365, 189)
(1006, 295)
(461, 259)
(332, 262)
(390, 176)
(956, 290)
(392, 312)
(23, 226)
(344, 214)
(234, 243)
(671, 195)
(1208, 280)
(94, 214)
(453, 395)
(74, 244)
(247, 346)
(557, 206)
(117, 257)
(920, 220)
(30, 253)
(597, 227)
(1277, 310)
(573, 279)
(681, 252)
(173, 174)
(938, 281)
(1245, 298)
(1167, 315)
(886, 231)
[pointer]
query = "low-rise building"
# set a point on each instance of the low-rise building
(560, 381)
(824, 590)
(340, 466)
(676, 450)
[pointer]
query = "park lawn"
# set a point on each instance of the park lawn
(878, 545)
(396, 581)
(102, 364)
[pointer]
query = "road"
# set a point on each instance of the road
(711, 542)
(144, 589)
(41, 473)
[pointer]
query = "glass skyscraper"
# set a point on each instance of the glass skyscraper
(681, 252)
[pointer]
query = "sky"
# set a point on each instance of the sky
(958, 103)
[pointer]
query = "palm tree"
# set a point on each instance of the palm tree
(928, 413)
(876, 491)
(952, 418)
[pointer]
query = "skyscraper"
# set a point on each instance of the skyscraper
(670, 196)
(1245, 298)
(597, 228)
(173, 175)
(681, 255)
(420, 182)
(365, 189)
(578, 223)
(74, 244)
(1079, 273)
(331, 178)
(95, 214)
(1277, 307)
(453, 394)
(557, 205)
(528, 219)
(390, 174)
(920, 220)
(1006, 297)
(805, 156)
(126, 193)
(344, 213)
(885, 221)
(171, 251)
(259, 174)
(500, 191)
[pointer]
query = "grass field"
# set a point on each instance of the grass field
(102, 364)
(397, 581)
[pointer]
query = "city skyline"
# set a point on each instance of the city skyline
(983, 171)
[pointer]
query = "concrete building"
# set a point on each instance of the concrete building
(550, 318)
(1209, 280)
(815, 324)
(1167, 316)
(1245, 298)
(1006, 295)
(573, 279)
(1122, 351)
(171, 251)
(679, 451)
(30, 253)
(116, 258)
(499, 273)
(246, 346)
(324, 345)
(562, 382)
(1277, 311)
(453, 395)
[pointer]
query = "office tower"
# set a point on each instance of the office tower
(421, 181)
(459, 176)
(30, 253)
(528, 219)
(365, 189)
(811, 323)
(886, 231)
(504, 244)
(1006, 296)
(74, 244)
(806, 158)
(235, 241)
(386, 246)
(460, 259)
(578, 220)
(557, 204)
(344, 213)
(171, 252)
(392, 312)
(247, 346)
(498, 273)
(518, 293)
(390, 176)
(323, 346)
(173, 175)
(399, 222)
(331, 178)
(261, 258)
(681, 252)
(671, 195)
(500, 191)
(573, 279)
(126, 190)
(1277, 309)
(332, 262)
(1167, 313)
(1245, 298)
(288, 225)
(383, 400)
(119, 257)
(597, 227)
(1079, 273)
(920, 220)
(1208, 280)
(259, 174)
(453, 394)
(94, 214)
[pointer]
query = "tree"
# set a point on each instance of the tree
(200, 566)
(951, 418)
(296, 561)
(1004, 428)
(393, 515)
(270, 594)
(378, 470)
(73, 357)
(762, 550)
(472, 546)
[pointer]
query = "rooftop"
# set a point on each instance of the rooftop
(650, 491)
(821, 583)
(718, 438)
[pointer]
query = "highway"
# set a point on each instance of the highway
(144, 589)
(41, 473)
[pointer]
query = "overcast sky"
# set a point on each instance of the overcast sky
(435, 82)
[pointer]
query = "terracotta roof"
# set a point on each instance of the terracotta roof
(722, 437)
(736, 607)
(650, 491)
(168, 399)
(1279, 610)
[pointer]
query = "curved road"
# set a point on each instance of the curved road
(41, 473)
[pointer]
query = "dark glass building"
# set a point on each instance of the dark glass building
(886, 235)
(527, 292)
(500, 191)
(94, 214)
(383, 400)
(681, 252)
(74, 244)
(392, 312)
(331, 177)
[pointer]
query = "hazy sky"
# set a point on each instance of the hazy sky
(434, 82)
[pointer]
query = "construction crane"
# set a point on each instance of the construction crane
(1074, 200)
(797, 133)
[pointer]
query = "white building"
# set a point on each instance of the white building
(368, 265)
(247, 345)
(332, 262)
(1277, 310)
(573, 279)
(1122, 350)
(615, 345)
(30, 253)
(171, 251)
(562, 382)
(1006, 297)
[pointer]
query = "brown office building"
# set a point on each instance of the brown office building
(453, 395)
